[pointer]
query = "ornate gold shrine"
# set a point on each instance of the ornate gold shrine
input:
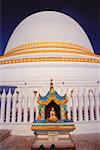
(52, 113)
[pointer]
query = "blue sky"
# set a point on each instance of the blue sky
(85, 12)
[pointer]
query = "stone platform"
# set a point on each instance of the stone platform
(60, 141)
(82, 142)
(59, 144)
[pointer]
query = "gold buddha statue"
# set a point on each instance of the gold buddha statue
(53, 117)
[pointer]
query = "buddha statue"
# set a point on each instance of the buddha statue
(53, 117)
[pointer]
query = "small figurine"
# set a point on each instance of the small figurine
(53, 117)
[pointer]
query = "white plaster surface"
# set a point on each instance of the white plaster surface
(48, 26)
(39, 74)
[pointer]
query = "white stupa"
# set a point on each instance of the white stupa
(50, 45)
(48, 26)
(47, 45)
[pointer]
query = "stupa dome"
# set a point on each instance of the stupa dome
(49, 45)
(48, 26)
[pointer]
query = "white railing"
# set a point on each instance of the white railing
(19, 107)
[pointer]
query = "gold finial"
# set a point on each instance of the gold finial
(51, 83)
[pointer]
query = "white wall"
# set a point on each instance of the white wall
(38, 74)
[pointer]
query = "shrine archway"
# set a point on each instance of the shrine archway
(48, 109)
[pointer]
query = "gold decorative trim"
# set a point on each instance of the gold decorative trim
(49, 45)
(20, 52)
(53, 99)
(64, 128)
(50, 59)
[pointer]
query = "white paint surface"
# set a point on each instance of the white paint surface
(48, 26)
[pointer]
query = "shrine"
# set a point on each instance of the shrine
(52, 107)
(52, 122)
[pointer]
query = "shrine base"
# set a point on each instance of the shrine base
(63, 141)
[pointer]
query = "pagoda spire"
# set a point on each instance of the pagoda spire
(51, 83)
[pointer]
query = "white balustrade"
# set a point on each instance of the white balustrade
(97, 99)
(14, 101)
(85, 104)
(19, 119)
(83, 99)
(25, 107)
(9, 96)
(3, 102)
(32, 97)
(36, 105)
(69, 103)
(74, 107)
(80, 100)
(91, 100)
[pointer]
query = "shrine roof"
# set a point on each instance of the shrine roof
(52, 95)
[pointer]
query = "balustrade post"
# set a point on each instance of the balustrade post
(85, 104)
(25, 107)
(35, 105)
(3, 101)
(19, 107)
(14, 101)
(97, 104)
(9, 96)
(80, 100)
(91, 98)
(74, 108)
(68, 106)
(32, 107)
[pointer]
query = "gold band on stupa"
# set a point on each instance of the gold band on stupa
(49, 59)
(32, 51)
(35, 45)
(49, 48)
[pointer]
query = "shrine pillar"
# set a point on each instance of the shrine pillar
(62, 112)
